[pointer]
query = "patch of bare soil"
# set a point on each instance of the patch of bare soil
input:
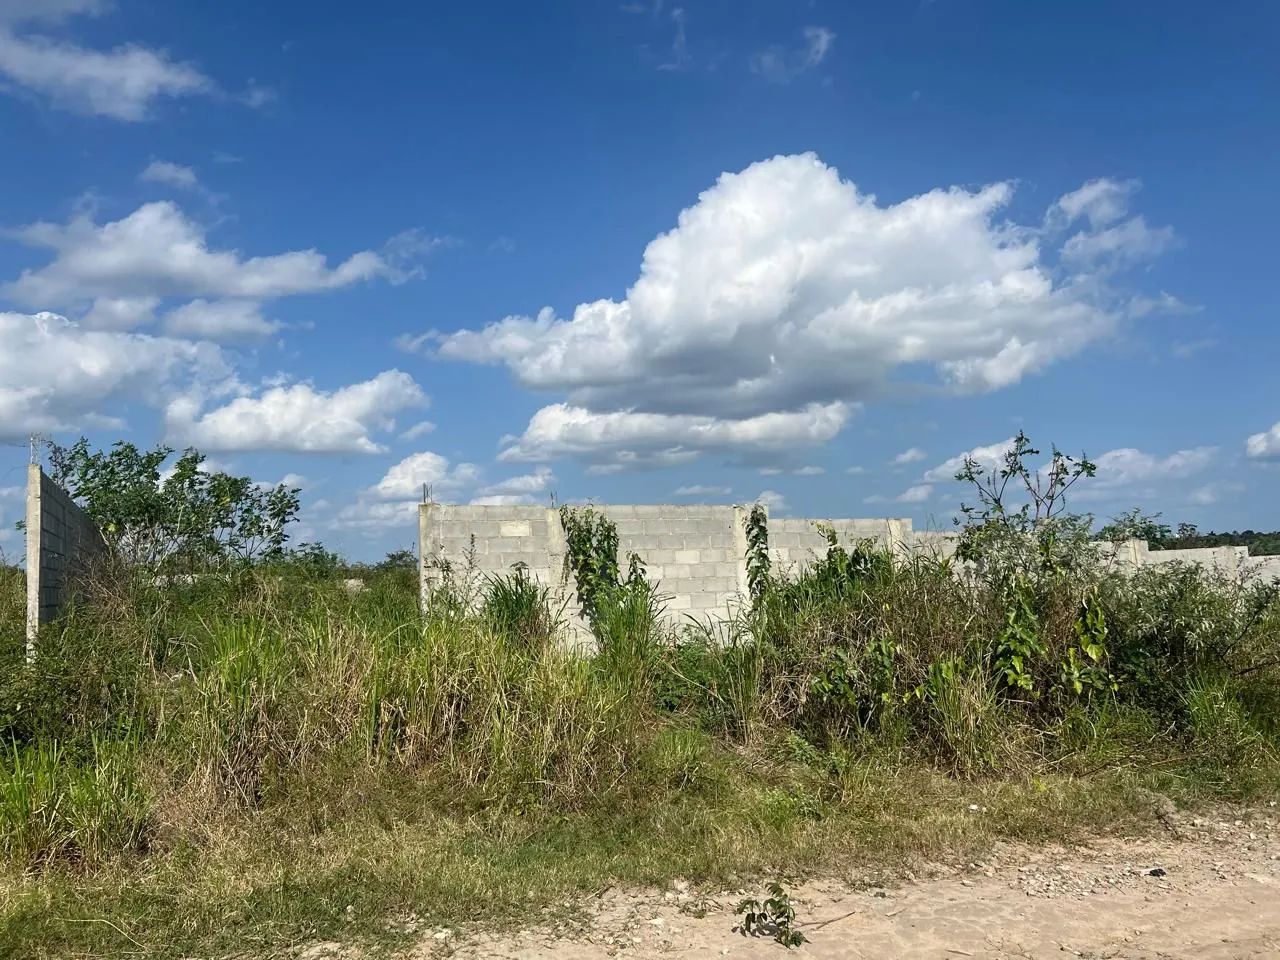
(1206, 887)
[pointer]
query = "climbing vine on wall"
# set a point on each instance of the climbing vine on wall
(592, 555)
(757, 529)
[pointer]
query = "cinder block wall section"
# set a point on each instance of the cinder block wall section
(489, 540)
(61, 543)
(794, 543)
(696, 553)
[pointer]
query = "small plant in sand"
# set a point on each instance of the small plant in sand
(774, 917)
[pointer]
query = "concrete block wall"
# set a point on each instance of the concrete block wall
(793, 543)
(935, 544)
(696, 553)
(1263, 568)
(61, 543)
(491, 540)
(1229, 561)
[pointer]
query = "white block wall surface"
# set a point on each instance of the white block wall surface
(62, 542)
(793, 543)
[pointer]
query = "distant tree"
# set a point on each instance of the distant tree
(1260, 543)
(401, 559)
(185, 518)
(1136, 525)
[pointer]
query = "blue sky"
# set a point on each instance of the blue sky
(644, 251)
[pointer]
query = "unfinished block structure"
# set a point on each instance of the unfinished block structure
(697, 553)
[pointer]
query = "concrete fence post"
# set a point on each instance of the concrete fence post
(425, 575)
(740, 515)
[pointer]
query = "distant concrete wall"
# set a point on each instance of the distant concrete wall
(1263, 568)
(696, 553)
(61, 543)
(1229, 561)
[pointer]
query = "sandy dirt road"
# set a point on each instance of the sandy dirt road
(1215, 894)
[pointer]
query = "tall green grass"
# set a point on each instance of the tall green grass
(58, 809)
(159, 724)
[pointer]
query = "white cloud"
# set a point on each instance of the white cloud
(12, 508)
(854, 471)
(780, 65)
(990, 457)
(770, 471)
(632, 439)
(1186, 349)
(220, 320)
(1110, 238)
(912, 455)
(170, 174)
(122, 83)
(392, 503)
(23, 11)
(818, 41)
(679, 57)
(527, 488)
(772, 500)
(258, 96)
(702, 490)
(56, 375)
(917, 494)
(809, 471)
(158, 251)
(297, 417)
(785, 289)
(373, 517)
(1264, 445)
(121, 313)
(419, 429)
(1100, 201)
(1211, 493)
(1130, 240)
(1128, 466)
(405, 480)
